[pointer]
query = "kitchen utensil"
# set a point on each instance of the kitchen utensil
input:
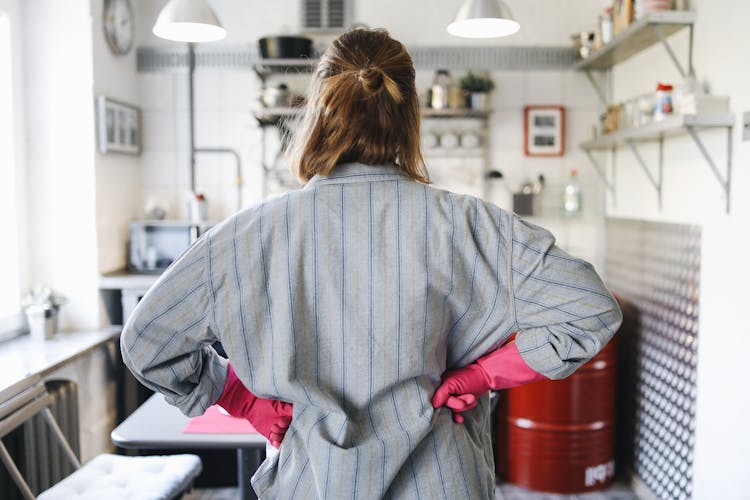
(498, 191)
(285, 47)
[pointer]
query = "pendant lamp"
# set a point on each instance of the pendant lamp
(188, 21)
(193, 21)
(483, 19)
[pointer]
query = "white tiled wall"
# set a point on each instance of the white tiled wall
(224, 100)
(692, 195)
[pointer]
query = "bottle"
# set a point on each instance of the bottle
(605, 25)
(663, 101)
(440, 90)
(197, 208)
(572, 195)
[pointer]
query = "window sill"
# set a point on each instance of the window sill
(24, 356)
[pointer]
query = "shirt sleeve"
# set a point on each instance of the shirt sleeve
(564, 313)
(166, 342)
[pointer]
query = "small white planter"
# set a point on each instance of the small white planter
(42, 321)
(479, 100)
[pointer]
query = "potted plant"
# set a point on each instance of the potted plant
(477, 88)
(42, 307)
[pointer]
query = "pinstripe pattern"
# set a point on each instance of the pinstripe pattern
(350, 298)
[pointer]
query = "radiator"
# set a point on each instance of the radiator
(36, 452)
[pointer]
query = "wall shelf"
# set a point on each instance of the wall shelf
(266, 67)
(670, 126)
(642, 34)
(658, 131)
(275, 116)
(455, 113)
(460, 152)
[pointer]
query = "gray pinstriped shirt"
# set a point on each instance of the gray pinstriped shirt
(349, 298)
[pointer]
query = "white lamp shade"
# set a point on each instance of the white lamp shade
(483, 19)
(188, 21)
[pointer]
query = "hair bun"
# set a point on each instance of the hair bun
(375, 79)
(371, 78)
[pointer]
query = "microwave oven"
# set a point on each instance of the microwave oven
(154, 245)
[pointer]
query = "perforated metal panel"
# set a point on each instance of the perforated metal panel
(513, 58)
(656, 267)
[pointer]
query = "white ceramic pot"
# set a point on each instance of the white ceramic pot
(479, 100)
(42, 321)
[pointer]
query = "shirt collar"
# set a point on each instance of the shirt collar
(357, 172)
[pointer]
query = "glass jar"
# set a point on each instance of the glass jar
(440, 90)
(646, 108)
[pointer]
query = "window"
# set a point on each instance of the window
(11, 320)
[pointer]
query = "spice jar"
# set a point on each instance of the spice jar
(663, 101)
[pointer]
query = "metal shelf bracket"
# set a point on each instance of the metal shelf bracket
(662, 37)
(657, 181)
(609, 184)
(724, 182)
(661, 25)
(599, 89)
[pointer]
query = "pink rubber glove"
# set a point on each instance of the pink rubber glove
(270, 417)
(502, 368)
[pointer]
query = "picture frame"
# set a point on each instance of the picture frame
(118, 126)
(544, 130)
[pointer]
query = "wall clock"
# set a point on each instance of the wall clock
(119, 26)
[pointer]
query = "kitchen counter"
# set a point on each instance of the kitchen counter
(132, 287)
(25, 356)
(123, 280)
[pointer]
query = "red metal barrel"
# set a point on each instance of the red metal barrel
(558, 435)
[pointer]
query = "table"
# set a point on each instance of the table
(157, 424)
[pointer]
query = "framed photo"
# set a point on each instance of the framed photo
(118, 126)
(544, 130)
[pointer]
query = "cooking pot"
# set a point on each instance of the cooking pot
(274, 97)
(285, 47)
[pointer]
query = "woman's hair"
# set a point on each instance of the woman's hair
(362, 107)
